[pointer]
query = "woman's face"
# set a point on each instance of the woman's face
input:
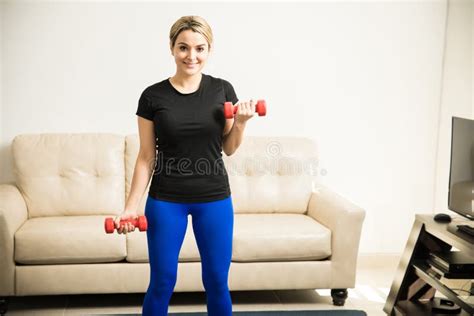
(190, 52)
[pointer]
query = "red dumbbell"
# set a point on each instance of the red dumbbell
(230, 110)
(140, 222)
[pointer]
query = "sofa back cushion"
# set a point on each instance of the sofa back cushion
(266, 174)
(70, 174)
(272, 174)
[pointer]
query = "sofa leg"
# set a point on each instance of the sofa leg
(339, 296)
(3, 305)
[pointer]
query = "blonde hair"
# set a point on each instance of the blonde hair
(194, 23)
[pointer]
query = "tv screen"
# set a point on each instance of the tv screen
(461, 175)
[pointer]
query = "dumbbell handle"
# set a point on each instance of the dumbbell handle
(133, 221)
(259, 103)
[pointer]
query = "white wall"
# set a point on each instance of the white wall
(363, 79)
(456, 92)
(2, 143)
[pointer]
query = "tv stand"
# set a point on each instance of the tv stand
(463, 230)
(415, 284)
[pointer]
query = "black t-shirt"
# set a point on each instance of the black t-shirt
(188, 131)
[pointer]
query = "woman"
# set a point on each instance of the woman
(184, 115)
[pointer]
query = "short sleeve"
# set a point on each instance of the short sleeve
(229, 92)
(145, 108)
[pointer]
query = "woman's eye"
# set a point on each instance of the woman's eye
(199, 49)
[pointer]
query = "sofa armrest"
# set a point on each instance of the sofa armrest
(344, 219)
(13, 213)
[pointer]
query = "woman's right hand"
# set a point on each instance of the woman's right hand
(127, 227)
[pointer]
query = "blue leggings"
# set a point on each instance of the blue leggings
(213, 224)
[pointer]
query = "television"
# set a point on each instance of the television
(461, 174)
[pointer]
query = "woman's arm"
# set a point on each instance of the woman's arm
(144, 164)
(232, 139)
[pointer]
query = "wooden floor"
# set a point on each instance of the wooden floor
(374, 278)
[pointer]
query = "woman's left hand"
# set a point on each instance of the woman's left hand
(245, 111)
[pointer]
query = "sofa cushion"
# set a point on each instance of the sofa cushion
(67, 239)
(272, 174)
(279, 237)
(257, 237)
(70, 174)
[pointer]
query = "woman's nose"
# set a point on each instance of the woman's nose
(191, 54)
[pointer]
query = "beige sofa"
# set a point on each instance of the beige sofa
(289, 231)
